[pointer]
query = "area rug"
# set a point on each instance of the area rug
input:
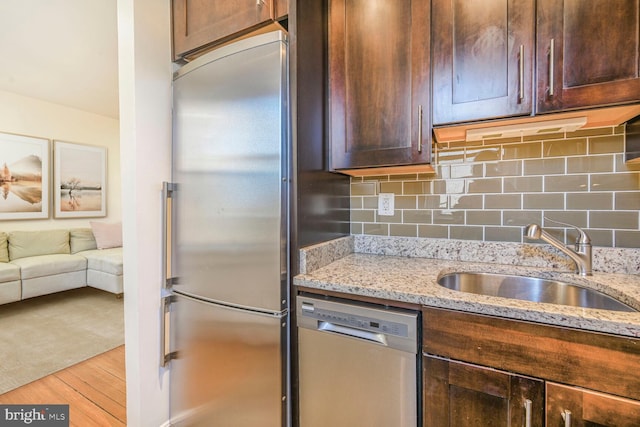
(42, 335)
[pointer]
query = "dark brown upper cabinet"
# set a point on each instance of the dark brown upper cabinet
(482, 59)
(379, 104)
(588, 53)
(282, 9)
(198, 24)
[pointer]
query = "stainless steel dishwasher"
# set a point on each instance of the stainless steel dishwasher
(358, 364)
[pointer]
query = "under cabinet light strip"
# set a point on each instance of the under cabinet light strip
(525, 129)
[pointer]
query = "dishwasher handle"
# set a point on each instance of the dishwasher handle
(352, 332)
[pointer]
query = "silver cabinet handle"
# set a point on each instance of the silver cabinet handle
(551, 67)
(566, 415)
(521, 67)
(527, 412)
(167, 233)
(419, 128)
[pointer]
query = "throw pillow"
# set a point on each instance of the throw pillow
(82, 240)
(24, 244)
(108, 235)
(4, 249)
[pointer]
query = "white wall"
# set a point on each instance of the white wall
(145, 73)
(32, 117)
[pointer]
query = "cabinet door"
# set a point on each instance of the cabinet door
(482, 59)
(282, 9)
(588, 53)
(197, 23)
(459, 394)
(588, 408)
(379, 83)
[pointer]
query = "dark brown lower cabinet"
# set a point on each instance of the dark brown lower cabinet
(573, 378)
(575, 407)
(459, 394)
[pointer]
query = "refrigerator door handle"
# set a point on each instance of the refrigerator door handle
(168, 279)
(165, 332)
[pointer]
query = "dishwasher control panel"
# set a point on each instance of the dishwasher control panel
(343, 318)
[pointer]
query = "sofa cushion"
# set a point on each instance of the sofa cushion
(10, 291)
(81, 239)
(47, 265)
(24, 244)
(105, 281)
(105, 260)
(4, 248)
(55, 283)
(108, 235)
(9, 272)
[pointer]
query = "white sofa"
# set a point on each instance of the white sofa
(34, 263)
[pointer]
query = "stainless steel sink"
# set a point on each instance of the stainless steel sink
(530, 289)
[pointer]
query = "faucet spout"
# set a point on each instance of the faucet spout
(581, 255)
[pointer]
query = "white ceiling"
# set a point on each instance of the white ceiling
(61, 51)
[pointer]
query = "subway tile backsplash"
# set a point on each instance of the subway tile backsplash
(490, 191)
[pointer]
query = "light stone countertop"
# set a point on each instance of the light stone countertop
(413, 280)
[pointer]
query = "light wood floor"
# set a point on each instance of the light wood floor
(95, 391)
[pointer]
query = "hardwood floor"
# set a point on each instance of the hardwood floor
(95, 391)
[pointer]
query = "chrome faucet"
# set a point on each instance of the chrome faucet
(581, 255)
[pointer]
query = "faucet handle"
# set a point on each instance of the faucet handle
(582, 239)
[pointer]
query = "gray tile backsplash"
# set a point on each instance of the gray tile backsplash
(490, 191)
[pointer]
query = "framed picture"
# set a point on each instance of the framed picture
(24, 177)
(79, 180)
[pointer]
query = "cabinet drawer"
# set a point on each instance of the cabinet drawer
(592, 360)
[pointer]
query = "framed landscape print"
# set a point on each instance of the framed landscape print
(24, 177)
(79, 180)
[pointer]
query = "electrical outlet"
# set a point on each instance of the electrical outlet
(385, 204)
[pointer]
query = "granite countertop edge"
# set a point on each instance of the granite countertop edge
(414, 280)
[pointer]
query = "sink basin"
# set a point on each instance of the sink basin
(530, 289)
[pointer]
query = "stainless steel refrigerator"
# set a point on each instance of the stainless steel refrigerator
(227, 232)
